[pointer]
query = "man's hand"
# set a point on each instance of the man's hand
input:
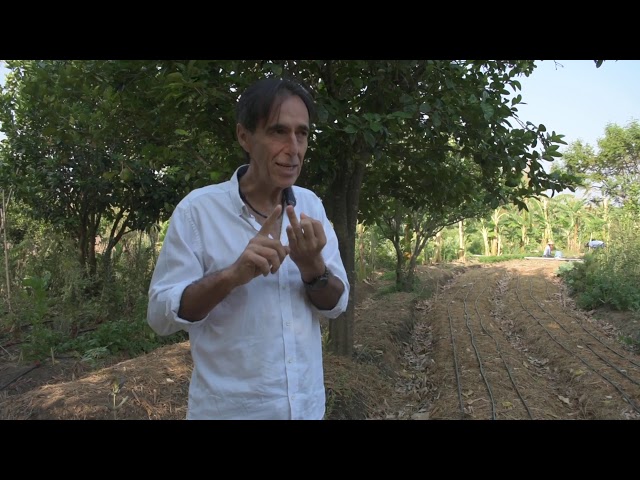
(263, 254)
(306, 241)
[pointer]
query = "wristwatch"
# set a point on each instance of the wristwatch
(319, 282)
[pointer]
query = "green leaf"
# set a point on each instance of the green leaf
(181, 132)
(488, 110)
(323, 114)
(435, 118)
(402, 114)
(175, 77)
(275, 68)
(368, 137)
(49, 130)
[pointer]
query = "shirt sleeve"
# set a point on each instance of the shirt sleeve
(179, 264)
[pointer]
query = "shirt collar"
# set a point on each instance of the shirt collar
(236, 201)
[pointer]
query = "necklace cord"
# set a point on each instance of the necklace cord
(244, 199)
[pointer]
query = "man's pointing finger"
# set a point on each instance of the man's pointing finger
(270, 221)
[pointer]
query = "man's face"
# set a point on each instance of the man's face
(278, 145)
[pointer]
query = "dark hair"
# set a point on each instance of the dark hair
(257, 101)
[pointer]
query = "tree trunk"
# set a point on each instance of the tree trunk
(461, 246)
(407, 275)
(343, 212)
(361, 253)
(607, 223)
(485, 238)
(3, 229)
(437, 253)
(548, 231)
(374, 239)
(404, 282)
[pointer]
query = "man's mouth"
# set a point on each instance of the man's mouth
(287, 166)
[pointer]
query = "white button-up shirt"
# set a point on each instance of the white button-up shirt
(258, 353)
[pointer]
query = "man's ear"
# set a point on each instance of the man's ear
(243, 136)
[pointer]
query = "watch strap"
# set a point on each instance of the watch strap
(320, 281)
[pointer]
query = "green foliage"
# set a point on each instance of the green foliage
(41, 341)
(476, 247)
(615, 167)
(37, 288)
(57, 308)
(610, 276)
(388, 275)
(374, 252)
(98, 143)
(565, 268)
(89, 141)
(393, 287)
(19, 222)
(499, 258)
(130, 337)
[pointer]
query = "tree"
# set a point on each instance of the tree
(153, 119)
(81, 137)
(615, 168)
(413, 209)
(571, 211)
(370, 110)
(5, 198)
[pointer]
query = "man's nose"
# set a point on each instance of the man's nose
(293, 145)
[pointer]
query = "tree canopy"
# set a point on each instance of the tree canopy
(123, 141)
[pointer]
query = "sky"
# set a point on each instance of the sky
(578, 100)
(573, 97)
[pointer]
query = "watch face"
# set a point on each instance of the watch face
(319, 282)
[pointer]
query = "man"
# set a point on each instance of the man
(592, 244)
(247, 268)
(547, 250)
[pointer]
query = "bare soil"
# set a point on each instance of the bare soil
(498, 341)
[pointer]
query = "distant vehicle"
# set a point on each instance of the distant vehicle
(595, 244)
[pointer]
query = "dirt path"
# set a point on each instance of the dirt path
(507, 343)
(500, 341)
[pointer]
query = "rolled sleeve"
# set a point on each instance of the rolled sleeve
(162, 314)
(331, 254)
(177, 268)
(341, 306)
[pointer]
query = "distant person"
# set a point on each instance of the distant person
(547, 250)
(592, 244)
